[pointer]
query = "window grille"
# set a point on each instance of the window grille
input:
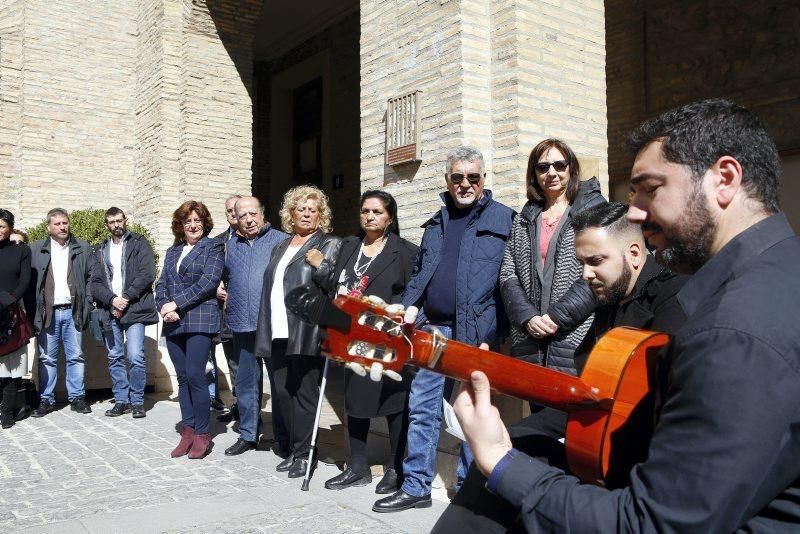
(402, 129)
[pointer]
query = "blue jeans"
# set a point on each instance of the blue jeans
(249, 385)
(425, 421)
(211, 376)
(62, 329)
(189, 354)
(121, 341)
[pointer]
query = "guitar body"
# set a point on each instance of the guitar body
(606, 441)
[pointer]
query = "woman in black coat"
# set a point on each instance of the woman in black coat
(290, 344)
(376, 262)
(15, 274)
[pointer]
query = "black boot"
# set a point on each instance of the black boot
(7, 405)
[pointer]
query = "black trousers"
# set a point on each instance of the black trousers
(475, 508)
(297, 381)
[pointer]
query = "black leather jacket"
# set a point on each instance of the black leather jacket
(303, 336)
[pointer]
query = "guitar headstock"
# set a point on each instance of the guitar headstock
(377, 339)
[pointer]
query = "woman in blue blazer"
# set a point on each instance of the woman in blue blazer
(186, 297)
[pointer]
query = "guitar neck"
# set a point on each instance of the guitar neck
(507, 375)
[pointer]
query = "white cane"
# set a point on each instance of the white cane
(313, 449)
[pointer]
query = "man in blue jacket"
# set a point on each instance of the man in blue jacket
(724, 455)
(122, 286)
(246, 259)
(454, 285)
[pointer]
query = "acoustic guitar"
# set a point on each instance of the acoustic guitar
(609, 405)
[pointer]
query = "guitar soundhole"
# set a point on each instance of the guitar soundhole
(370, 351)
(380, 323)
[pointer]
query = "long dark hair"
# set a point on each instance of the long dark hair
(389, 204)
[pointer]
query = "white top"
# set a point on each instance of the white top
(279, 320)
(115, 255)
(59, 262)
(184, 252)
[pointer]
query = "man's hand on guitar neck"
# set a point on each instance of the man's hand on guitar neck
(481, 423)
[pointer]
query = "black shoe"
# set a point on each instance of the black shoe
(347, 479)
(6, 417)
(399, 501)
(230, 415)
(138, 411)
(44, 408)
(299, 468)
(239, 447)
(79, 405)
(282, 449)
(388, 483)
(285, 465)
(119, 408)
(217, 405)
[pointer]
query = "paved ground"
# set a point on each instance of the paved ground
(89, 473)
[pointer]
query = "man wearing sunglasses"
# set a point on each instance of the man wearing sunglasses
(454, 285)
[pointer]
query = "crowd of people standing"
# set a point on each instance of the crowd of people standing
(556, 276)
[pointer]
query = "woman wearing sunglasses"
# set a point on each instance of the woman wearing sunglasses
(539, 264)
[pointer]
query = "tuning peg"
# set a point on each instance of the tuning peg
(357, 368)
(394, 309)
(376, 372)
(376, 300)
(393, 375)
(411, 315)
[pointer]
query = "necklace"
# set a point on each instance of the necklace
(361, 269)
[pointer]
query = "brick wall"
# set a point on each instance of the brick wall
(67, 79)
(11, 30)
(498, 75)
(662, 54)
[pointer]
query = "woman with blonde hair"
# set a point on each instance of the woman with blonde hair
(291, 345)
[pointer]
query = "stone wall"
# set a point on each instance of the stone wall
(665, 53)
(194, 106)
(67, 82)
(499, 75)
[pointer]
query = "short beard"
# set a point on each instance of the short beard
(689, 240)
(118, 232)
(618, 289)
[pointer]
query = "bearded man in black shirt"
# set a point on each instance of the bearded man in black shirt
(725, 452)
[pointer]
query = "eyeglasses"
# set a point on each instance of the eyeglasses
(544, 166)
(473, 177)
(187, 223)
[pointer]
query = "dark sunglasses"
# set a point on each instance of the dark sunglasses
(544, 166)
(473, 177)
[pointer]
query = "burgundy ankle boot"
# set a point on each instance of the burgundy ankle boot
(187, 439)
(200, 446)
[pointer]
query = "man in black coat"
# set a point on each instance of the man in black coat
(624, 286)
(122, 286)
(724, 455)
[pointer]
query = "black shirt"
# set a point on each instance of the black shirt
(440, 296)
(15, 271)
(725, 454)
